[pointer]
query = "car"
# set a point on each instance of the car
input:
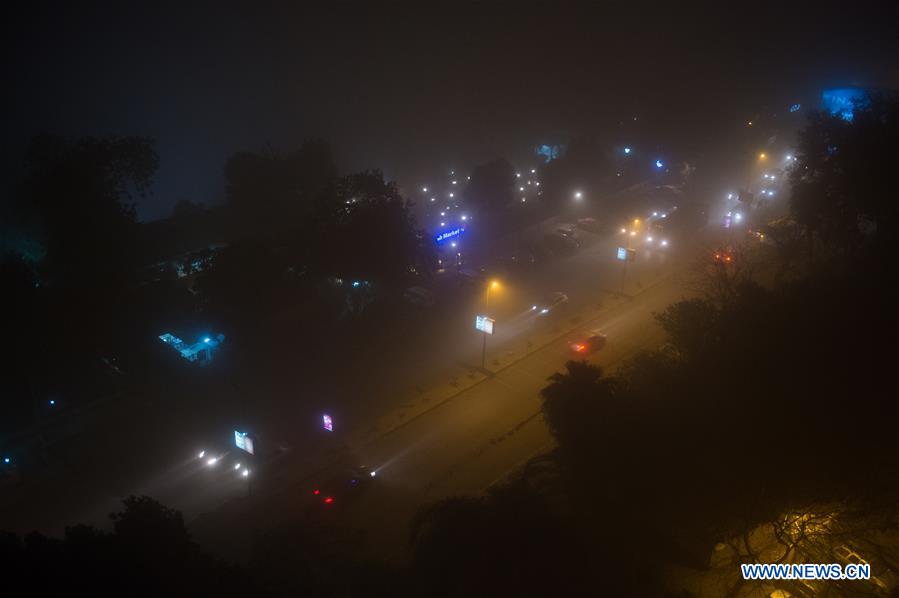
(724, 255)
(593, 341)
(219, 461)
(419, 296)
(549, 303)
(536, 250)
(344, 486)
(568, 230)
(559, 244)
(590, 225)
(470, 277)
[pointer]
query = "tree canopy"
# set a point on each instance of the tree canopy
(81, 198)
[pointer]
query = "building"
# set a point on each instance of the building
(201, 352)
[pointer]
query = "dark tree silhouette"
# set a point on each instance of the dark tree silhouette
(492, 187)
(270, 193)
(372, 232)
(82, 197)
(149, 553)
(844, 174)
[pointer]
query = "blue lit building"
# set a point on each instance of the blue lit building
(842, 101)
(549, 152)
(200, 352)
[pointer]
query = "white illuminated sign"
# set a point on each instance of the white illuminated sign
(484, 324)
(243, 442)
(622, 253)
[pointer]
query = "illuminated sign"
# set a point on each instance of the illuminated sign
(626, 254)
(327, 423)
(484, 324)
(448, 234)
(795, 107)
(243, 441)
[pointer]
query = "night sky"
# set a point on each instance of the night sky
(413, 89)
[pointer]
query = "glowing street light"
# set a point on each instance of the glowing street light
(424, 189)
(763, 156)
(627, 151)
(578, 195)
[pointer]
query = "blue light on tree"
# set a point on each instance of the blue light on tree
(659, 164)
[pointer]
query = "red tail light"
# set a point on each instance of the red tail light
(316, 492)
(329, 500)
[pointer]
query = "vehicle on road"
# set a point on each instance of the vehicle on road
(591, 225)
(559, 244)
(221, 461)
(549, 303)
(593, 341)
(568, 230)
(419, 296)
(344, 486)
(471, 277)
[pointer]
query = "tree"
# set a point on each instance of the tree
(844, 173)
(370, 231)
(82, 194)
(149, 553)
(492, 187)
(511, 542)
(269, 193)
(584, 167)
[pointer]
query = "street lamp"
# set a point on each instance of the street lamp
(493, 284)
(578, 195)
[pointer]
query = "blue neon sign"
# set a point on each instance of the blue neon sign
(448, 234)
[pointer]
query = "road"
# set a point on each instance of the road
(459, 447)
(416, 463)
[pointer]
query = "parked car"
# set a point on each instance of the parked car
(589, 224)
(470, 277)
(419, 296)
(559, 244)
(568, 230)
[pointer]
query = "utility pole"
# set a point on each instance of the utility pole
(490, 285)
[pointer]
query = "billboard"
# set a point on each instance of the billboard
(327, 423)
(449, 234)
(484, 324)
(243, 441)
